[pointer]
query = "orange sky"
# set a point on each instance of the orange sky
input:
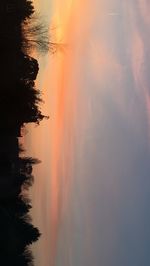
(65, 17)
(53, 141)
(55, 134)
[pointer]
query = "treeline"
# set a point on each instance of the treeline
(20, 99)
(21, 32)
(16, 229)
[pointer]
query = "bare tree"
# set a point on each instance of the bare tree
(35, 36)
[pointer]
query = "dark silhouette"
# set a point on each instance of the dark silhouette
(35, 35)
(27, 68)
(21, 31)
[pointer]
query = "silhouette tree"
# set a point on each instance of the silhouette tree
(26, 232)
(19, 104)
(26, 164)
(19, 206)
(35, 35)
(25, 259)
(25, 8)
(21, 9)
(28, 68)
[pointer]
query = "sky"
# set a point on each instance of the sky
(92, 190)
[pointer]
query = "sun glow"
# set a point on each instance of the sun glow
(65, 29)
(61, 18)
(96, 93)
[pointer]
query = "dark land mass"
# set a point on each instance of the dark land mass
(19, 104)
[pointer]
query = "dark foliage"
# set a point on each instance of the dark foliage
(19, 104)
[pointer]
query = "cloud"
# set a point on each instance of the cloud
(97, 194)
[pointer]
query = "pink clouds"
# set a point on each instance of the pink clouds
(97, 92)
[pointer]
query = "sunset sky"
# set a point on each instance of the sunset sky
(92, 190)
